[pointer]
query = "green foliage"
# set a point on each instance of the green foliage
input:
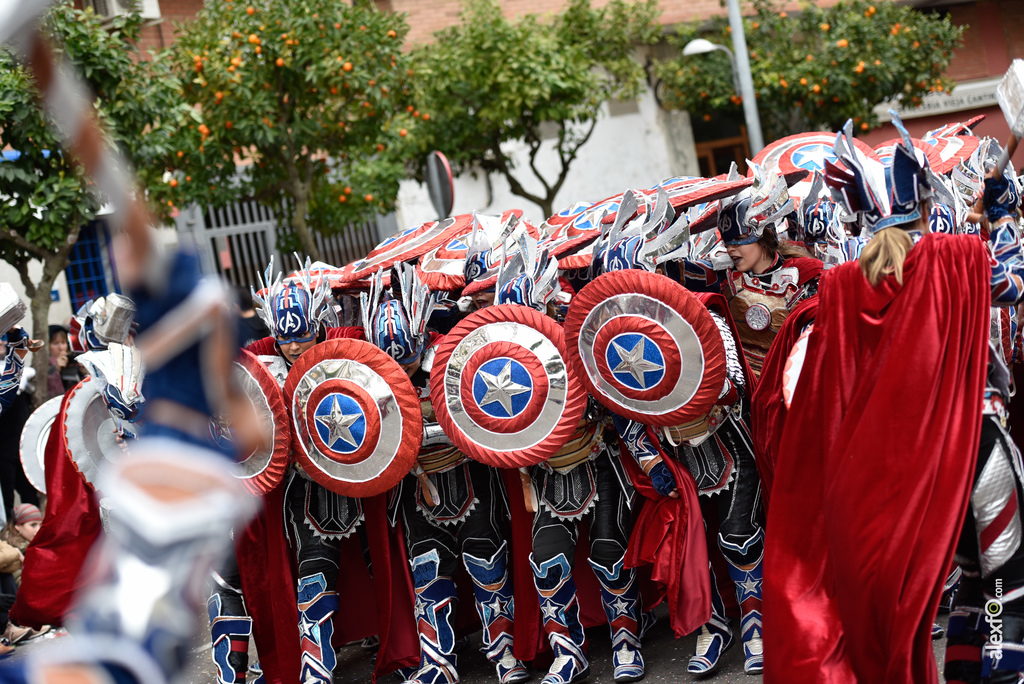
(47, 199)
(815, 69)
(310, 97)
(489, 80)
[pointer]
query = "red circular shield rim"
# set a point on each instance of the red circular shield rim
(572, 412)
(504, 349)
(274, 473)
(405, 396)
(350, 272)
(671, 294)
(968, 144)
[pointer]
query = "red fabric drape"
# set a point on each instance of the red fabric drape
(55, 558)
(668, 535)
(767, 408)
(874, 470)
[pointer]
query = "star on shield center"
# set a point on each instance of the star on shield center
(634, 362)
(339, 424)
(813, 157)
(501, 388)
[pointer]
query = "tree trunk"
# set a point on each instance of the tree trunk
(302, 228)
(40, 307)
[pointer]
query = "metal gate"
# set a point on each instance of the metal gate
(238, 240)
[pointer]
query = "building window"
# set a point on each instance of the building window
(89, 265)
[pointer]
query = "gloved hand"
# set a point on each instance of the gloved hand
(998, 198)
(663, 480)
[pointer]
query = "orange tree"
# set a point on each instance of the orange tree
(488, 81)
(302, 105)
(816, 68)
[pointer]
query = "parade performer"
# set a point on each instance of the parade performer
(584, 479)
(989, 551)
(717, 451)
(767, 278)
(316, 519)
(863, 524)
(71, 525)
(452, 508)
(16, 346)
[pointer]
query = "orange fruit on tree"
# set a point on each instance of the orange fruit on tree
(842, 42)
(174, 183)
(348, 190)
(259, 50)
(279, 62)
(250, 11)
(864, 126)
(368, 197)
(380, 148)
(403, 132)
(825, 27)
(803, 81)
(816, 88)
(334, 90)
(228, 125)
(180, 154)
(253, 38)
(337, 25)
(347, 66)
(342, 199)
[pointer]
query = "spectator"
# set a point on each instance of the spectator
(56, 385)
(250, 327)
(15, 537)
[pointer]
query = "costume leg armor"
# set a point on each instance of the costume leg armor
(317, 606)
(714, 638)
(230, 629)
(747, 577)
(435, 621)
(620, 594)
(494, 603)
(560, 612)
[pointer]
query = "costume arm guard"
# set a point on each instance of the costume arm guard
(14, 364)
(734, 380)
(1007, 262)
(639, 443)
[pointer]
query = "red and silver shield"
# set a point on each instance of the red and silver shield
(90, 433)
(356, 419)
(442, 268)
(646, 348)
(797, 155)
(886, 149)
(502, 388)
(33, 442)
(264, 468)
(953, 150)
(407, 245)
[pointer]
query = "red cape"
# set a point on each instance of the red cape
(767, 408)
(874, 470)
(56, 556)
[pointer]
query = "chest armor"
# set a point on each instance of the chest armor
(441, 457)
(759, 308)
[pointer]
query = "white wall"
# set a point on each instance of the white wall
(60, 311)
(634, 150)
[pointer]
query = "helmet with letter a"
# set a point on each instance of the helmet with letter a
(294, 310)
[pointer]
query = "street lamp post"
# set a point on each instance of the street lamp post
(743, 82)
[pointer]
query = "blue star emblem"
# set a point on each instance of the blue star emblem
(813, 157)
(502, 388)
(635, 361)
(340, 423)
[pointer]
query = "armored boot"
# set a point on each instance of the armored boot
(230, 629)
(435, 621)
(714, 638)
(494, 603)
(965, 638)
(560, 612)
(748, 595)
(620, 595)
(317, 606)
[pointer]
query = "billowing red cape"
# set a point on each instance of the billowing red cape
(767, 408)
(874, 469)
(56, 556)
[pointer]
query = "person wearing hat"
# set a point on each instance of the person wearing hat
(15, 537)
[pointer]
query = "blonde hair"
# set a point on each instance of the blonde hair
(884, 254)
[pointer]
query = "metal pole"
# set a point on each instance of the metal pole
(739, 46)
